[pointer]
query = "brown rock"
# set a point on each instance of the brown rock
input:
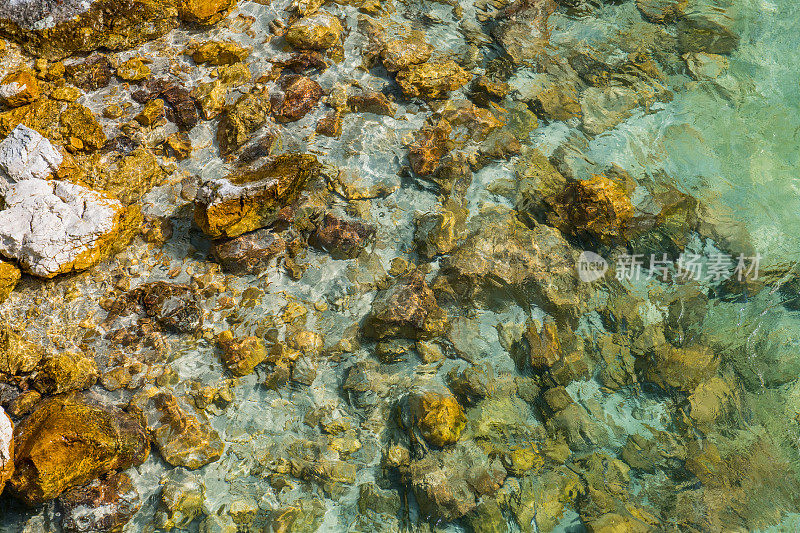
(19, 88)
(407, 309)
(174, 306)
(241, 355)
(65, 372)
(250, 253)
(544, 345)
(683, 368)
(105, 504)
(17, 355)
(343, 239)
(320, 31)
(331, 124)
(372, 102)
(439, 417)
(431, 144)
(432, 80)
(68, 441)
(297, 97)
(134, 69)
(90, 74)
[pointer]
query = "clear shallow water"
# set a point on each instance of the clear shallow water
(732, 143)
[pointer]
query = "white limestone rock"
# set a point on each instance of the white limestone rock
(25, 155)
(52, 227)
(6, 448)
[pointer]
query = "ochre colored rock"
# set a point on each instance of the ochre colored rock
(297, 97)
(19, 88)
(597, 207)
(251, 199)
(218, 53)
(17, 355)
(372, 102)
(9, 276)
(241, 355)
(42, 116)
(204, 12)
(544, 345)
(401, 54)
(105, 504)
(134, 69)
(65, 372)
(439, 417)
(128, 175)
(316, 32)
(249, 253)
(78, 122)
(68, 441)
(683, 368)
(249, 113)
(153, 112)
(407, 309)
(432, 80)
(432, 142)
(111, 24)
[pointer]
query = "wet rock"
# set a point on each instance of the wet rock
(437, 233)
(249, 113)
(485, 90)
(105, 504)
(17, 354)
(543, 344)
(204, 12)
(401, 54)
(25, 154)
(70, 27)
(715, 402)
(557, 102)
(343, 239)
(372, 102)
(42, 116)
(65, 372)
(703, 66)
(605, 107)
(9, 277)
(432, 80)
(407, 309)
(250, 253)
(538, 187)
(707, 29)
(502, 258)
(614, 522)
(683, 368)
(543, 499)
(181, 145)
(90, 74)
(596, 208)
(303, 517)
(181, 107)
(127, 171)
(298, 95)
(331, 124)
(52, 227)
(432, 142)
(182, 498)
(581, 430)
(182, 438)
(320, 31)
(6, 448)
(218, 53)
(152, 113)
(134, 69)
(241, 355)
(661, 11)
(173, 306)
(661, 451)
(437, 416)
(19, 88)
(472, 384)
(67, 441)
(523, 32)
(250, 200)
(78, 122)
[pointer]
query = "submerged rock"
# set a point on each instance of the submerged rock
(91, 74)
(437, 416)
(65, 372)
(181, 438)
(251, 200)
(9, 277)
(173, 306)
(432, 80)
(661, 11)
(298, 95)
(105, 504)
(401, 54)
(249, 113)
(6, 448)
(241, 355)
(53, 227)
(56, 30)
(707, 29)
(603, 108)
(683, 368)
(218, 53)
(67, 441)
(250, 253)
(320, 31)
(204, 12)
(343, 239)
(432, 142)
(407, 309)
(182, 498)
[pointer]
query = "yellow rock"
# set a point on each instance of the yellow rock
(19, 88)
(152, 113)
(42, 116)
(17, 355)
(78, 121)
(433, 79)
(66, 93)
(317, 32)
(134, 69)
(241, 356)
(65, 372)
(218, 53)
(204, 12)
(401, 54)
(439, 417)
(9, 276)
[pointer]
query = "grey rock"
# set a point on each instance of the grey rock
(25, 154)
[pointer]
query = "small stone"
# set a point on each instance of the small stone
(65, 372)
(316, 32)
(174, 306)
(437, 233)
(182, 498)
(683, 368)
(241, 355)
(218, 53)
(401, 54)
(605, 107)
(439, 417)
(113, 111)
(134, 69)
(372, 102)
(105, 504)
(407, 309)
(90, 74)
(298, 95)
(68, 441)
(181, 145)
(432, 80)
(343, 239)
(432, 142)
(152, 113)
(204, 12)
(250, 253)
(705, 66)
(19, 88)
(251, 200)
(330, 125)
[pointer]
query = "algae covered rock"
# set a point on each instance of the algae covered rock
(69, 440)
(55, 30)
(174, 306)
(6, 449)
(320, 31)
(218, 53)
(433, 79)
(104, 504)
(204, 12)
(298, 95)
(403, 53)
(249, 253)
(17, 354)
(9, 277)
(18, 88)
(250, 199)
(343, 239)
(182, 439)
(249, 113)
(683, 368)
(65, 372)
(134, 69)
(407, 309)
(241, 355)
(438, 416)
(182, 498)
(706, 28)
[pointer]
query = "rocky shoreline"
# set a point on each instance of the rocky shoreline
(306, 266)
